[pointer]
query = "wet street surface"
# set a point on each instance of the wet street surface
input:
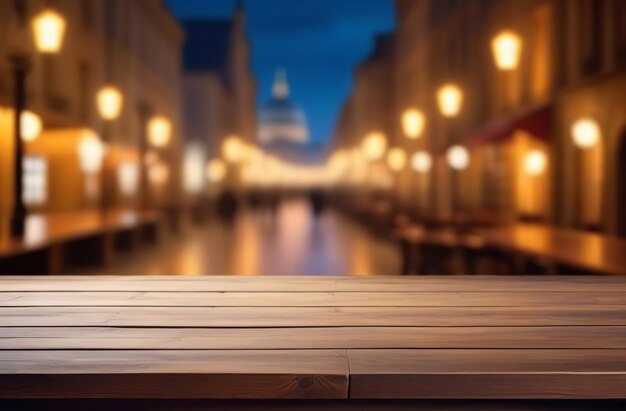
(291, 242)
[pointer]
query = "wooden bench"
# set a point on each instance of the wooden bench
(313, 343)
(53, 242)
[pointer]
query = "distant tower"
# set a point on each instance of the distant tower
(281, 119)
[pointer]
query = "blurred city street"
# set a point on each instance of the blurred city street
(293, 242)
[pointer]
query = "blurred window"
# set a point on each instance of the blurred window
(35, 180)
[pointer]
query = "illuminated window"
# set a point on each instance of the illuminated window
(35, 180)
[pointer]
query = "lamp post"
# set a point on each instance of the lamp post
(450, 101)
(158, 133)
(48, 30)
(458, 159)
(109, 101)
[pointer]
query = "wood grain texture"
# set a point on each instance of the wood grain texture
(173, 374)
(466, 374)
(307, 299)
(320, 338)
(224, 317)
(317, 284)
(82, 338)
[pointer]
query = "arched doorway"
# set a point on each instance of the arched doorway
(621, 187)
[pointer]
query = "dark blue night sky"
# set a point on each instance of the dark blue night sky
(319, 42)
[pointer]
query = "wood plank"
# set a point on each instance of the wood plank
(302, 284)
(93, 338)
(304, 299)
(225, 317)
(319, 374)
(488, 374)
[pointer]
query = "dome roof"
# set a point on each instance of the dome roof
(281, 119)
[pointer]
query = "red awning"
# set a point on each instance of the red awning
(536, 121)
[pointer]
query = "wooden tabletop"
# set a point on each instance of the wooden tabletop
(43, 230)
(313, 338)
(588, 251)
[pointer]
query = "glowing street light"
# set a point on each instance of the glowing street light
(413, 123)
(422, 162)
(31, 126)
(396, 159)
(159, 131)
(91, 151)
(374, 146)
(49, 30)
(450, 100)
(109, 100)
(506, 48)
(233, 149)
(216, 171)
(458, 158)
(586, 133)
(535, 163)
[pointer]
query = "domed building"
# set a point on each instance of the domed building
(280, 119)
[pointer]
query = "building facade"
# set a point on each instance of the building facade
(542, 113)
(220, 90)
(135, 46)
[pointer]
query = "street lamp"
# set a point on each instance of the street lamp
(374, 146)
(48, 31)
(396, 159)
(31, 126)
(586, 133)
(109, 100)
(458, 159)
(159, 131)
(233, 149)
(421, 162)
(535, 163)
(506, 48)
(450, 100)
(91, 152)
(413, 123)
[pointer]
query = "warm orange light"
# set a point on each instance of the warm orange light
(507, 48)
(413, 123)
(450, 100)
(421, 162)
(458, 158)
(216, 171)
(233, 149)
(31, 126)
(109, 100)
(396, 159)
(159, 131)
(339, 162)
(91, 151)
(374, 146)
(159, 174)
(586, 133)
(535, 163)
(48, 30)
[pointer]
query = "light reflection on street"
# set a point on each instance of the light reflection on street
(292, 242)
